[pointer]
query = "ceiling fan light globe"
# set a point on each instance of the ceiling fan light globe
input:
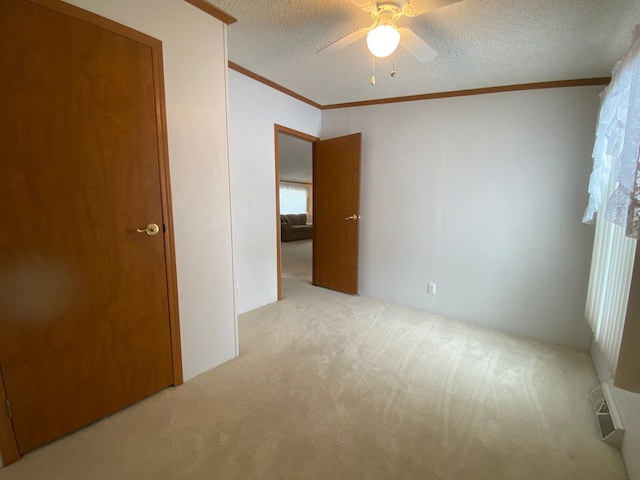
(383, 40)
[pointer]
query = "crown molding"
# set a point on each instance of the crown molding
(583, 82)
(213, 11)
(269, 83)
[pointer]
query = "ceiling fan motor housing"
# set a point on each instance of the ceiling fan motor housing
(395, 4)
(386, 17)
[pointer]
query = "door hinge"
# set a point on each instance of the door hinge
(9, 412)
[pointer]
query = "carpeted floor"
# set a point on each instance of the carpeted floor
(329, 386)
(296, 261)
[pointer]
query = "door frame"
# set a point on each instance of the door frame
(302, 136)
(8, 442)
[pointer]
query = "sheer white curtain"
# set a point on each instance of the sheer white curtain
(616, 150)
(294, 197)
(614, 203)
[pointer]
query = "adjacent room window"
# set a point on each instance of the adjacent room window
(294, 198)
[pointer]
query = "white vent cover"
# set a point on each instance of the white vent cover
(607, 416)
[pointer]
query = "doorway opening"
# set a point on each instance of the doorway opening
(294, 157)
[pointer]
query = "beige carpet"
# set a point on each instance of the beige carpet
(329, 386)
(296, 260)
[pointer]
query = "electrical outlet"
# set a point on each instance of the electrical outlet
(431, 288)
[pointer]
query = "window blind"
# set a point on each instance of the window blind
(609, 283)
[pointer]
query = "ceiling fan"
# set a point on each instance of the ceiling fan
(383, 36)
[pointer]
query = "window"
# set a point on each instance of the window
(614, 204)
(295, 198)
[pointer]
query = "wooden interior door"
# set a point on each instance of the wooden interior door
(336, 213)
(84, 318)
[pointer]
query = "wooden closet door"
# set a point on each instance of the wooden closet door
(84, 318)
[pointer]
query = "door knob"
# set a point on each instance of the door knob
(352, 217)
(151, 229)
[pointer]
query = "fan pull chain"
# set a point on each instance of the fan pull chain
(373, 71)
(393, 66)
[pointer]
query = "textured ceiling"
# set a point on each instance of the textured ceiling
(481, 43)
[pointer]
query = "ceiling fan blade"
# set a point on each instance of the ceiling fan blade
(344, 41)
(416, 46)
(364, 3)
(418, 7)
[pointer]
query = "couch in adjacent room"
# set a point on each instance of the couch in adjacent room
(294, 226)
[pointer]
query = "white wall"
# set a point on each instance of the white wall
(628, 404)
(483, 196)
(295, 157)
(194, 46)
(254, 110)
